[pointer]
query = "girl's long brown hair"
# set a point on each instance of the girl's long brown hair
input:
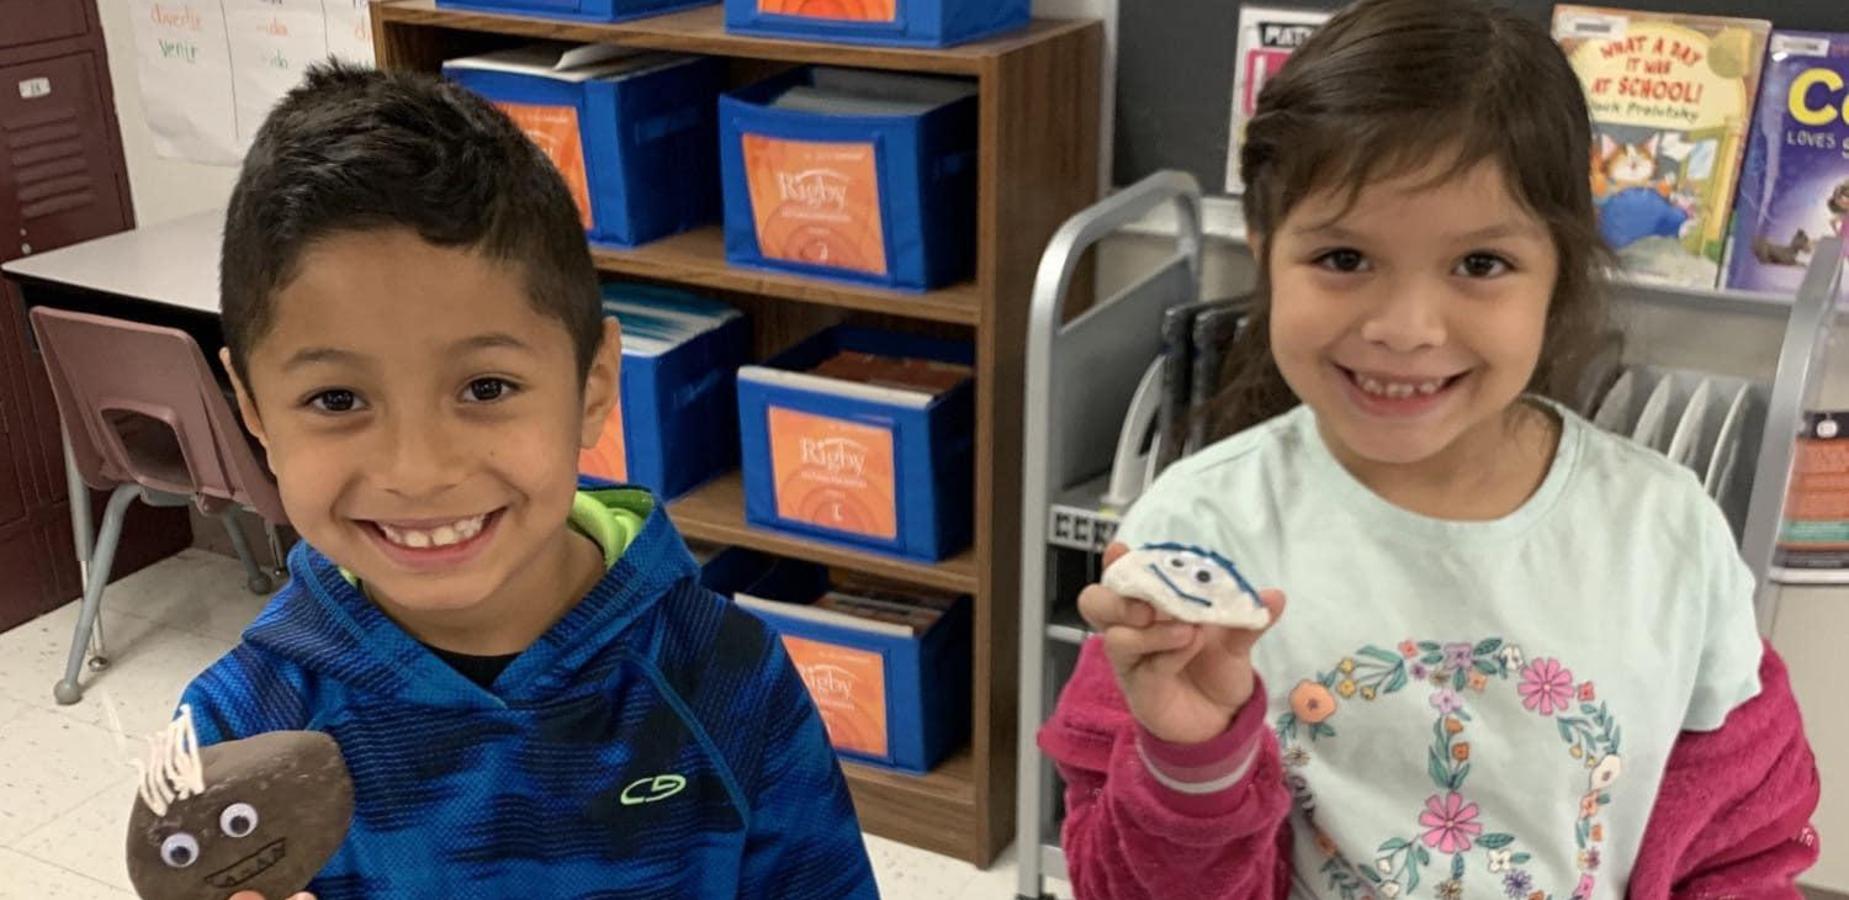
(1389, 87)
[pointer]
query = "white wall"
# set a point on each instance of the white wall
(163, 189)
(166, 189)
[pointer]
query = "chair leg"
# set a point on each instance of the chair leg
(279, 567)
(254, 578)
(79, 496)
(103, 558)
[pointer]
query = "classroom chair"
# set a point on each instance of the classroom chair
(144, 416)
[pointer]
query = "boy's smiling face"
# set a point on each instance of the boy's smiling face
(424, 421)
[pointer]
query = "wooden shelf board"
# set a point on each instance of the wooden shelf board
(702, 30)
(931, 811)
(698, 257)
(715, 513)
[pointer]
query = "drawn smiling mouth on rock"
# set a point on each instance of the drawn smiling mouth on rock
(249, 867)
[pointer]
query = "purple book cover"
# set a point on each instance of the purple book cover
(1794, 191)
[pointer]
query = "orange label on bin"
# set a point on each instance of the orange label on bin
(840, 10)
(849, 688)
(834, 473)
(816, 203)
(555, 130)
(609, 458)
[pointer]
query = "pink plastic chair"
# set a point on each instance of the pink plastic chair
(144, 415)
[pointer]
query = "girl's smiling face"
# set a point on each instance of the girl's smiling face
(1410, 315)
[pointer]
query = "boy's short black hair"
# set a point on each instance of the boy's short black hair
(355, 150)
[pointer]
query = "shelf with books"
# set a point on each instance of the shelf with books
(715, 513)
(702, 30)
(1037, 163)
(698, 258)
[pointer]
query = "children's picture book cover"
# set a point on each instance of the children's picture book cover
(1267, 37)
(1670, 96)
(1794, 190)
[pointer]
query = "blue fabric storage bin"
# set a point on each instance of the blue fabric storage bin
(909, 23)
(674, 427)
(632, 133)
(890, 697)
(881, 193)
(870, 467)
(585, 10)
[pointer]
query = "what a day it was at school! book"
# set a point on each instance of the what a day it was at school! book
(1671, 96)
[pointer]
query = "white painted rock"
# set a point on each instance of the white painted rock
(1189, 583)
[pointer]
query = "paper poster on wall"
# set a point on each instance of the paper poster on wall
(1267, 38)
(211, 70)
(185, 70)
(349, 30)
(272, 43)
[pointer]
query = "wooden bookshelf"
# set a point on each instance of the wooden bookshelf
(702, 30)
(1038, 130)
(698, 258)
(715, 513)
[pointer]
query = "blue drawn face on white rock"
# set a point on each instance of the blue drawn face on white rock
(1190, 583)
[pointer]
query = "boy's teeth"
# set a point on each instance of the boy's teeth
(1399, 390)
(442, 536)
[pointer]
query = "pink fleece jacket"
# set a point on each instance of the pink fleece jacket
(1146, 818)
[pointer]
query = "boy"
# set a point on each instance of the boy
(534, 695)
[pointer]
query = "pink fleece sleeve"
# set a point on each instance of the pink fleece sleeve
(1732, 818)
(1147, 818)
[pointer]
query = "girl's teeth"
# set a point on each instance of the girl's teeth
(1399, 390)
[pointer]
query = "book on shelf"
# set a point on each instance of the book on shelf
(1670, 97)
(1268, 35)
(1813, 539)
(901, 373)
(864, 607)
(1794, 190)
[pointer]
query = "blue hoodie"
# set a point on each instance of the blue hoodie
(656, 742)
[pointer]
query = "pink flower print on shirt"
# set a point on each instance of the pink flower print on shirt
(1451, 823)
(1459, 656)
(1447, 702)
(1547, 687)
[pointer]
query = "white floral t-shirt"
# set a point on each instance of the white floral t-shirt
(1474, 709)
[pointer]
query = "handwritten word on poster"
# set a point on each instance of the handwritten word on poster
(212, 69)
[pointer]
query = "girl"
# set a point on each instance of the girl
(1520, 657)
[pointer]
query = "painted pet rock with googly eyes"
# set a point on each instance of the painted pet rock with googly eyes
(262, 814)
(1190, 583)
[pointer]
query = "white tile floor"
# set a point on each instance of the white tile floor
(66, 788)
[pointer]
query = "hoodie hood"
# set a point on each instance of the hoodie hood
(323, 623)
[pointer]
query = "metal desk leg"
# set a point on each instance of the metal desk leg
(82, 535)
